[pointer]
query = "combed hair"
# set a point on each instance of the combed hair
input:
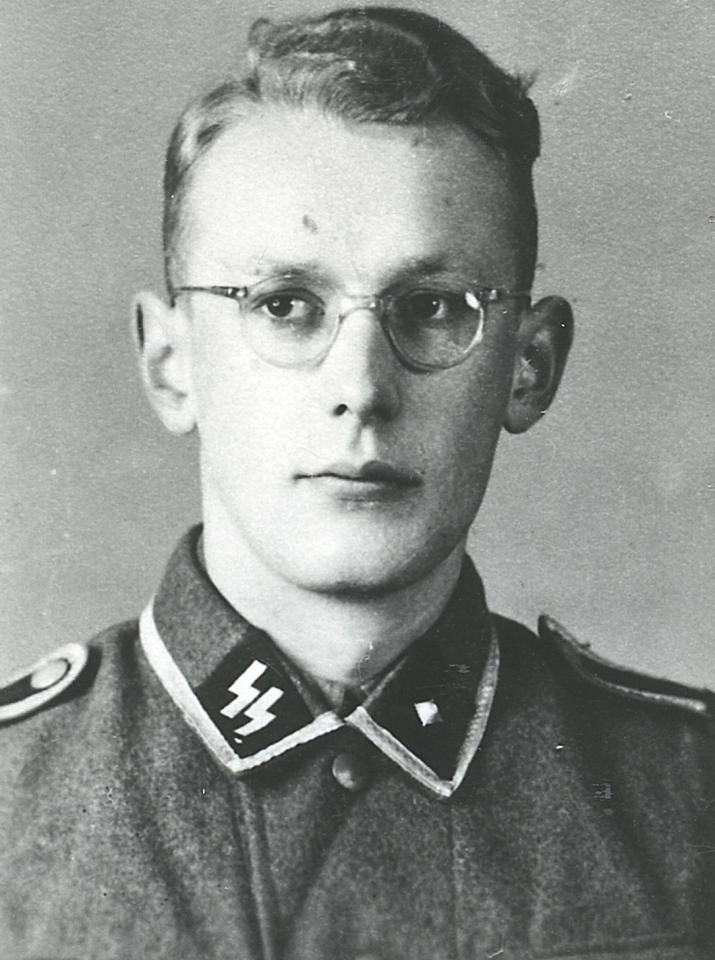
(365, 65)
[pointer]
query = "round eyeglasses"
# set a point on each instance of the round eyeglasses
(430, 326)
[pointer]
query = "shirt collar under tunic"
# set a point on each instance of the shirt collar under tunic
(250, 705)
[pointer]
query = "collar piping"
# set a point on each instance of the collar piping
(207, 729)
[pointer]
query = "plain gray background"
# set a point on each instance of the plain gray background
(602, 515)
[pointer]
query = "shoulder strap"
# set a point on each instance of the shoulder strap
(28, 690)
(621, 680)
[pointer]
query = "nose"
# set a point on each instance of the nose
(362, 374)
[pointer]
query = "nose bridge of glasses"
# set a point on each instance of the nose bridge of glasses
(369, 303)
(350, 304)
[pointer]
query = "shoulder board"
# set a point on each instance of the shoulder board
(28, 690)
(621, 680)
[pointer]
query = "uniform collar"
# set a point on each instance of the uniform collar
(249, 705)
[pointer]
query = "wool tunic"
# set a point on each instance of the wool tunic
(176, 789)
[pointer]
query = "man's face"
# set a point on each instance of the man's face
(288, 454)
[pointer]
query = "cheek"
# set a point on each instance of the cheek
(467, 416)
(246, 415)
(227, 406)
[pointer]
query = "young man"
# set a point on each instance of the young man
(318, 742)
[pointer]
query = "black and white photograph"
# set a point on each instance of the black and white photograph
(356, 480)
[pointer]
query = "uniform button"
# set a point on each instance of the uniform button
(350, 771)
(49, 674)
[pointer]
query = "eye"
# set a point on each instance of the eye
(427, 306)
(285, 306)
(294, 309)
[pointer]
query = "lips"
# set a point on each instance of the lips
(369, 481)
(374, 471)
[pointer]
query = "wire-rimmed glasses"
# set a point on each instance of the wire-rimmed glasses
(431, 325)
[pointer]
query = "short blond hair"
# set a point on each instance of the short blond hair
(366, 65)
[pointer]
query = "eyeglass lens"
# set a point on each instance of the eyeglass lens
(428, 328)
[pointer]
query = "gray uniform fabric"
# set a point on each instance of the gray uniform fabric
(136, 821)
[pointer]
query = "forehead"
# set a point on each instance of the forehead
(358, 199)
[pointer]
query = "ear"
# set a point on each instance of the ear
(162, 342)
(544, 341)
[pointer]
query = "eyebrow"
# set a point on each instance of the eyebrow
(263, 268)
(302, 269)
(435, 264)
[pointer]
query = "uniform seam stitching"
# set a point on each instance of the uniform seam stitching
(263, 891)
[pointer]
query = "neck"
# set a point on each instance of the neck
(341, 636)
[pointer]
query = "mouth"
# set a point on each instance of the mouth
(373, 481)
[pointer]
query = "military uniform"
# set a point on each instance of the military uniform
(175, 789)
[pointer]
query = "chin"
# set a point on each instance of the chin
(369, 564)
(351, 579)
